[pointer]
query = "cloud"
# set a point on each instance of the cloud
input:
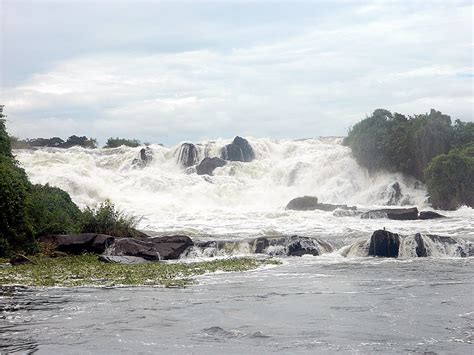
(317, 80)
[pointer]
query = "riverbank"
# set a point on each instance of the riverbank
(86, 270)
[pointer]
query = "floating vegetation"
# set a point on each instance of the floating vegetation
(86, 270)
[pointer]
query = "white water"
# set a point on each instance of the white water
(241, 199)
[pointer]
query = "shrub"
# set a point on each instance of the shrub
(79, 141)
(450, 179)
(106, 219)
(117, 142)
(52, 211)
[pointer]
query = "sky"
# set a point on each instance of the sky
(166, 72)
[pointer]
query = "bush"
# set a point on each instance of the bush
(117, 142)
(16, 232)
(52, 211)
(106, 219)
(450, 179)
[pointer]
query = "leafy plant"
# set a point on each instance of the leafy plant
(117, 142)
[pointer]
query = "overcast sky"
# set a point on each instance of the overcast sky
(167, 72)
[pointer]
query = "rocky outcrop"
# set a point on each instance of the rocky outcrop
(79, 243)
(420, 248)
(238, 150)
(430, 215)
(134, 247)
(207, 165)
(305, 203)
(384, 244)
(310, 203)
(392, 213)
(188, 155)
(172, 247)
(290, 246)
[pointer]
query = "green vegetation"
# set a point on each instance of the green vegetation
(106, 219)
(54, 142)
(394, 142)
(117, 142)
(86, 270)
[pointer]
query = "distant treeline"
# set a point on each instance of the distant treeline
(427, 146)
(72, 141)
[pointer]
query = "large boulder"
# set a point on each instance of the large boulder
(392, 213)
(232, 152)
(79, 243)
(305, 203)
(134, 247)
(430, 215)
(384, 244)
(188, 155)
(207, 165)
(247, 151)
(172, 247)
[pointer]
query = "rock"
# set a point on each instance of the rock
(145, 157)
(394, 194)
(392, 213)
(188, 155)
(20, 260)
(247, 151)
(420, 249)
(207, 165)
(134, 247)
(172, 247)
(305, 203)
(122, 259)
(232, 152)
(290, 246)
(384, 243)
(430, 215)
(299, 246)
(79, 243)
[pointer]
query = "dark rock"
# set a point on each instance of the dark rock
(421, 251)
(172, 247)
(384, 243)
(395, 194)
(393, 213)
(134, 247)
(20, 260)
(261, 244)
(122, 259)
(290, 246)
(305, 203)
(207, 165)
(145, 157)
(188, 155)
(247, 151)
(430, 215)
(232, 152)
(299, 246)
(79, 243)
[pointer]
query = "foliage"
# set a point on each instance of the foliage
(117, 142)
(17, 143)
(5, 148)
(450, 179)
(86, 270)
(80, 141)
(106, 219)
(15, 228)
(54, 142)
(52, 211)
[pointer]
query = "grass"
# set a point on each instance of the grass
(86, 270)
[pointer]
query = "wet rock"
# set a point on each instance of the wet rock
(384, 244)
(305, 203)
(430, 215)
(299, 246)
(79, 243)
(392, 213)
(290, 246)
(420, 249)
(20, 260)
(134, 247)
(144, 158)
(207, 165)
(232, 152)
(247, 151)
(122, 259)
(188, 155)
(394, 194)
(173, 246)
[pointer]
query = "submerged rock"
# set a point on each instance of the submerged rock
(188, 155)
(290, 246)
(384, 244)
(305, 203)
(430, 215)
(392, 213)
(207, 165)
(145, 157)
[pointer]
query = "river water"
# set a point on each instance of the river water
(327, 303)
